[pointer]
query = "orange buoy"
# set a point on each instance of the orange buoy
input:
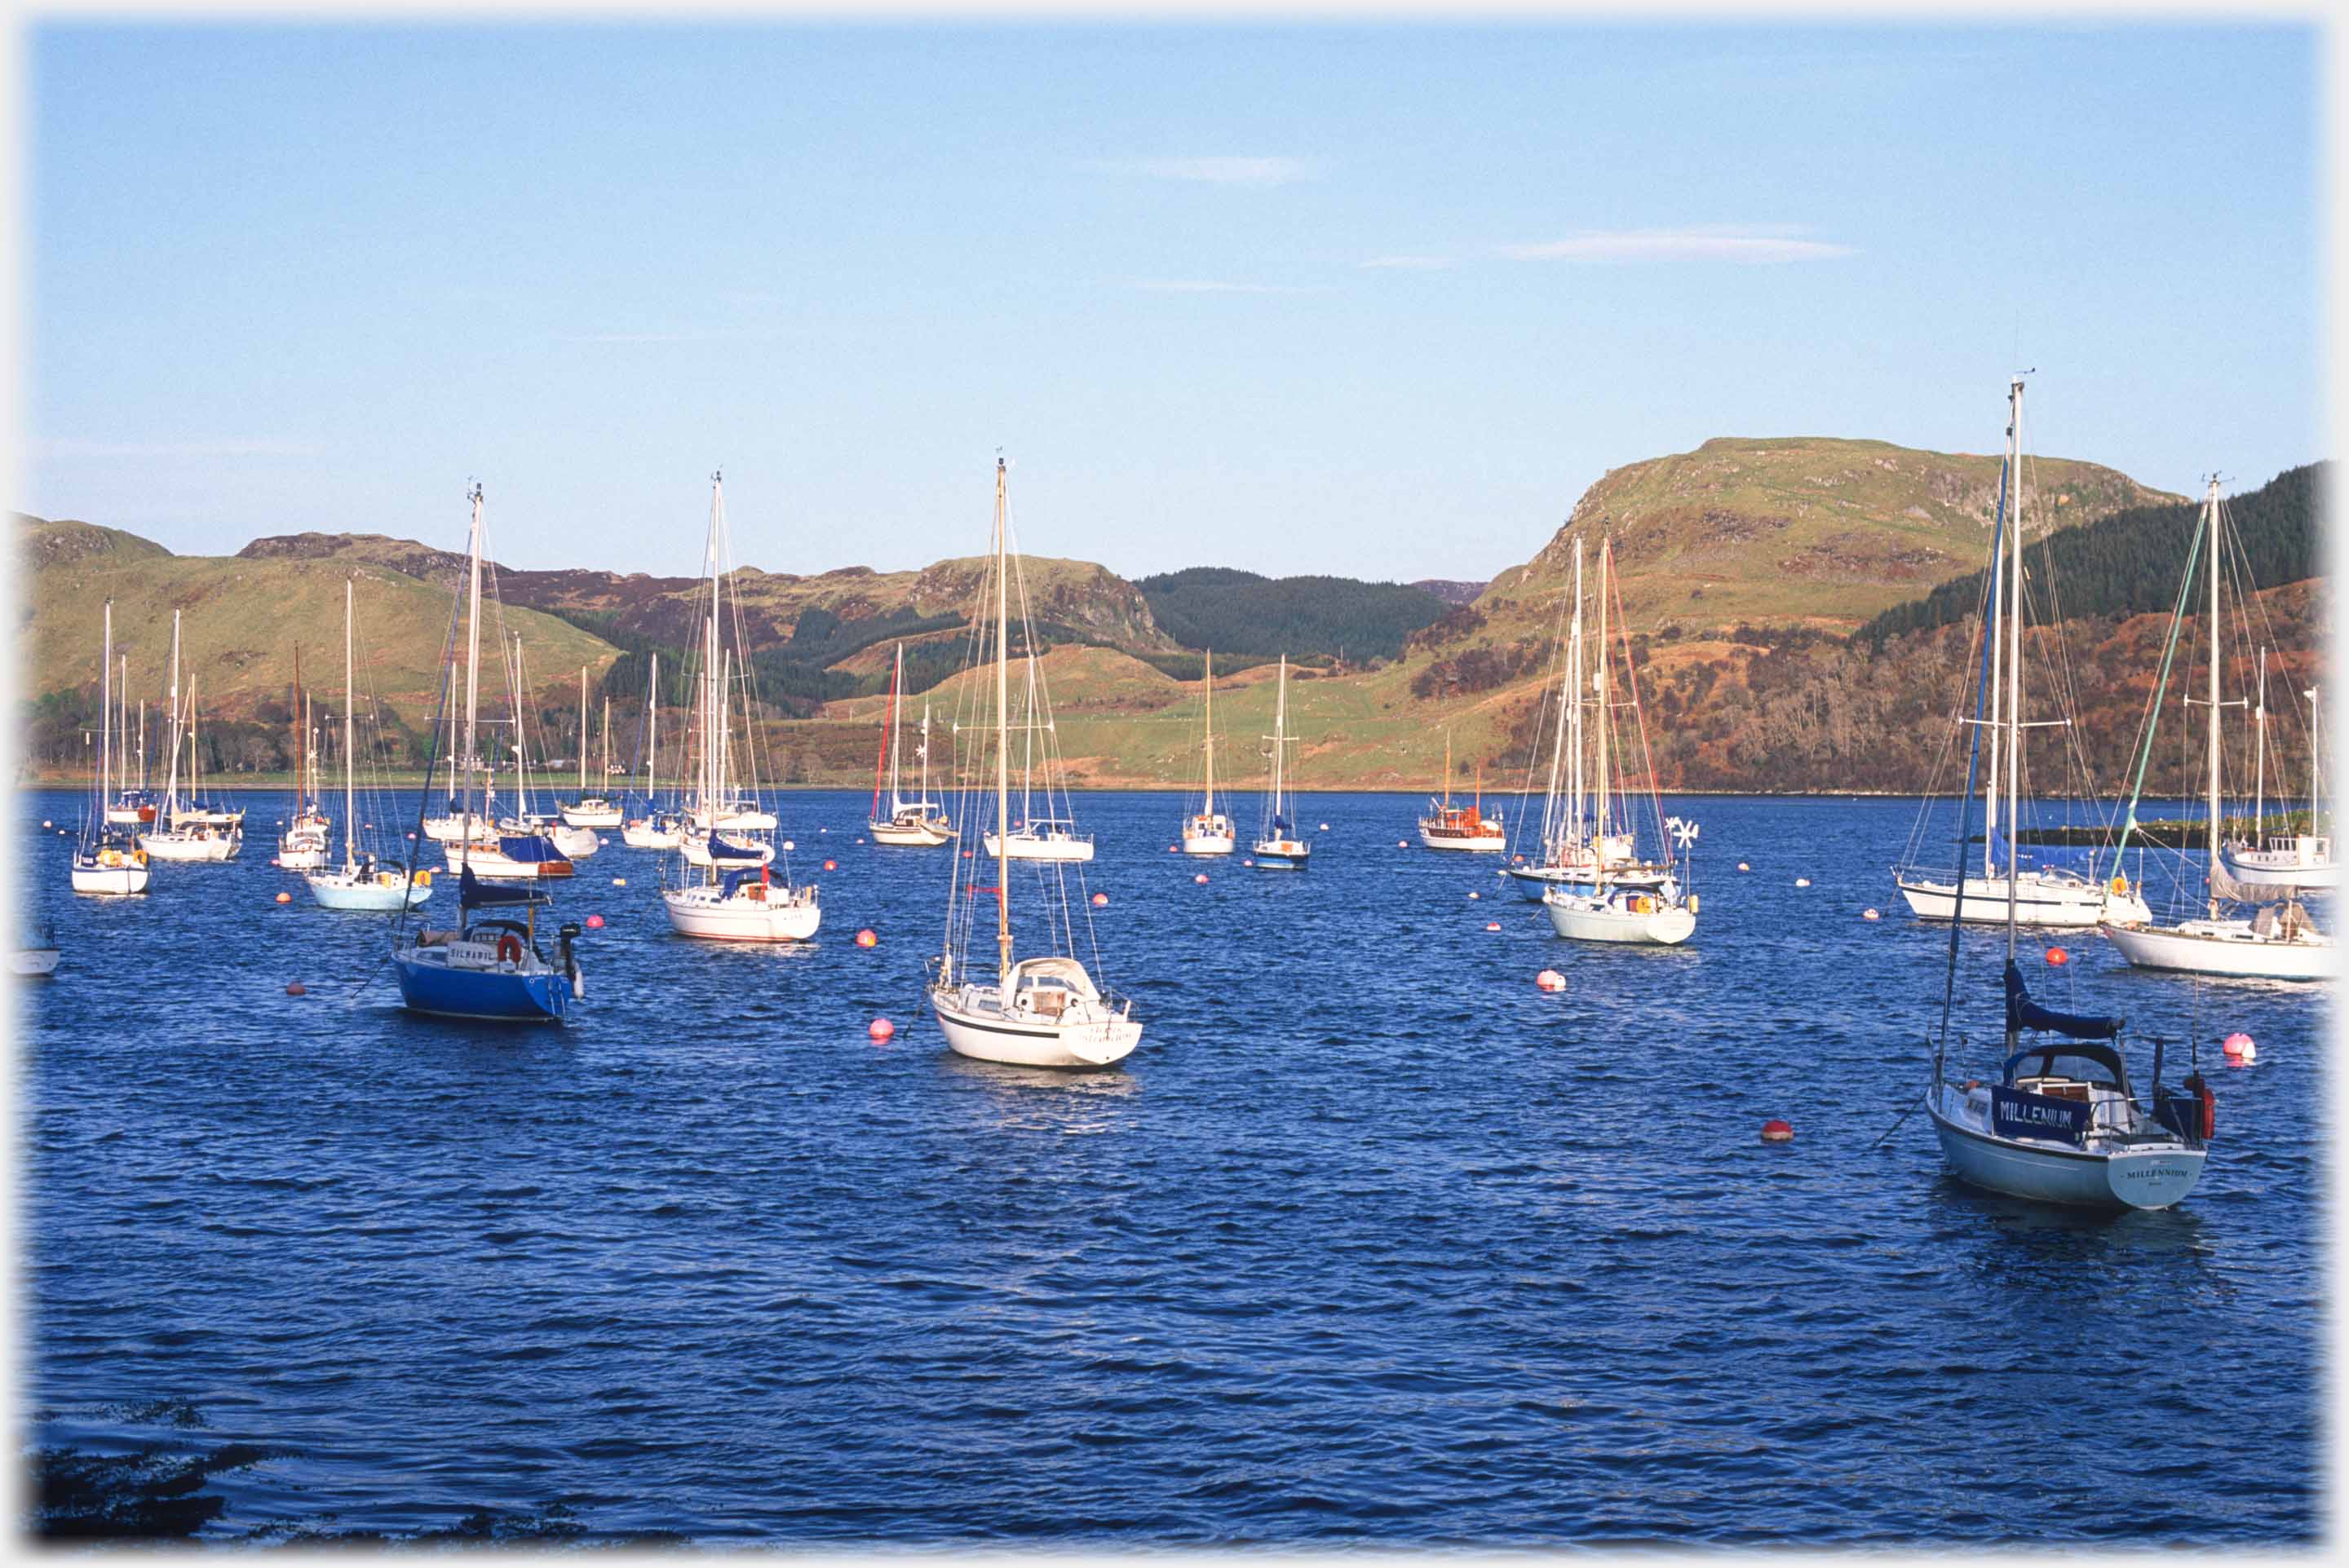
(1100, 899)
(2238, 1047)
(286, 898)
(881, 1029)
(1201, 878)
(1492, 925)
(295, 988)
(866, 938)
(1551, 980)
(2058, 957)
(832, 865)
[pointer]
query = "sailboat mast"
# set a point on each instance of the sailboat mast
(171, 775)
(1002, 743)
(2210, 522)
(897, 739)
(350, 817)
(713, 762)
(605, 783)
(1028, 752)
(2014, 652)
(2259, 758)
(1598, 685)
(300, 724)
(472, 656)
(582, 732)
(652, 741)
(1211, 731)
(105, 716)
(1573, 819)
(1279, 736)
(122, 718)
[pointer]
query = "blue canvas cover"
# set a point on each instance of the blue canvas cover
(528, 848)
(2019, 1113)
(474, 894)
(724, 849)
(2023, 1013)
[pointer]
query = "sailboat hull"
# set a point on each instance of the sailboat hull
(340, 890)
(1619, 920)
(1443, 839)
(983, 1034)
(210, 848)
(590, 816)
(915, 835)
(428, 983)
(1059, 846)
(2280, 868)
(2048, 903)
(2226, 947)
(704, 912)
(2154, 1177)
(1277, 855)
(645, 836)
(116, 881)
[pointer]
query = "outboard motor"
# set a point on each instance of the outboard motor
(569, 931)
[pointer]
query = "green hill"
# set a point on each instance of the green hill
(1242, 612)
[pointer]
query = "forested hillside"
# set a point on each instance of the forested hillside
(2128, 562)
(1244, 612)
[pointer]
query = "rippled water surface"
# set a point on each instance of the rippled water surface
(1370, 1240)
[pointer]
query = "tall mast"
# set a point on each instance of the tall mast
(896, 741)
(171, 775)
(652, 743)
(2010, 500)
(1279, 736)
(1211, 731)
(582, 732)
(350, 817)
(1574, 818)
(473, 753)
(1028, 752)
(2013, 651)
(1447, 770)
(2210, 522)
(1002, 743)
(605, 782)
(301, 724)
(105, 718)
(1606, 728)
(713, 762)
(122, 718)
(921, 752)
(142, 744)
(2259, 758)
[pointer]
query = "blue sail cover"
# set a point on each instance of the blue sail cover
(474, 894)
(2023, 1013)
(1282, 825)
(528, 848)
(723, 849)
(733, 880)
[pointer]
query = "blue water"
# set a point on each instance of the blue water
(1371, 1240)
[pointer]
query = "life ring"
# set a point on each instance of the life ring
(2120, 885)
(508, 948)
(424, 877)
(140, 856)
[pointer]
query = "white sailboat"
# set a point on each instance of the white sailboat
(658, 827)
(2060, 1123)
(735, 898)
(106, 860)
(197, 834)
(918, 823)
(1278, 846)
(2275, 941)
(1052, 836)
(598, 809)
(1207, 832)
(2274, 863)
(1043, 1011)
(303, 846)
(1577, 844)
(131, 805)
(1661, 912)
(360, 883)
(2048, 896)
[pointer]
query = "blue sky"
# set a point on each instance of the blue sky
(1379, 301)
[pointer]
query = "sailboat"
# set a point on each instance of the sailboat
(196, 834)
(659, 828)
(2051, 894)
(1052, 836)
(1656, 911)
(2269, 862)
(1578, 836)
(1207, 832)
(106, 860)
(1043, 1011)
(359, 882)
(1449, 827)
(2060, 1123)
(737, 897)
(133, 805)
(919, 822)
(598, 809)
(2277, 941)
(490, 966)
(303, 845)
(1277, 846)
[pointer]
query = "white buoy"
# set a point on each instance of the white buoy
(1551, 980)
(1325, 827)
(1475, 895)
(1802, 881)
(1869, 914)
(1201, 879)
(1744, 867)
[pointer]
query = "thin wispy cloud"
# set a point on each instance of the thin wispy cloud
(1745, 242)
(1215, 171)
(1210, 287)
(1408, 263)
(149, 451)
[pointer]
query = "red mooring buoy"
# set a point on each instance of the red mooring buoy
(1776, 1131)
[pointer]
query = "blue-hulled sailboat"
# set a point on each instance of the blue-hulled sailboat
(2061, 1124)
(490, 966)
